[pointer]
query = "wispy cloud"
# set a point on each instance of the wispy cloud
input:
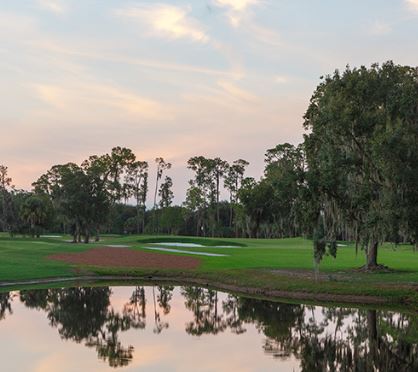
(381, 28)
(237, 5)
(237, 9)
(54, 6)
(167, 21)
(236, 92)
(412, 4)
(100, 99)
(281, 79)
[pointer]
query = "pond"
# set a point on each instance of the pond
(165, 328)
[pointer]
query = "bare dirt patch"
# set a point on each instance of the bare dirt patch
(124, 257)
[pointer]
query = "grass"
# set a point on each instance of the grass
(277, 264)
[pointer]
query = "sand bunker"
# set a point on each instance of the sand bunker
(187, 252)
(193, 245)
(181, 245)
(123, 257)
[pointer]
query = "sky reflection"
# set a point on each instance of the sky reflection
(188, 329)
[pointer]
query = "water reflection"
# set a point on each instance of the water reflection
(319, 338)
(5, 305)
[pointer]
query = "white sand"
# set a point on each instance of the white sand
(118, 246)
(51, 236)
(193, 245)
(184, 245)
(187, 252)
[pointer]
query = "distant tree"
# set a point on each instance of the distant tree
(219, 167)
(36, 211)
(136, 184)
(84, 194)
(232, 182)
(195, 204)
(256, 200)
(285, 173)
(172, 220)
(207, 178)
(162, 166)
(6, 202)
(165, 193)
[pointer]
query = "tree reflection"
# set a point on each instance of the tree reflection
(164, 295)
(135, 308)
(107, 342)
(5, 304)
(321, 338)
(233, 320)
(336, 339)
(85, 315)
(276, 321)
(35, 299)
(331, 339)
(204, 305)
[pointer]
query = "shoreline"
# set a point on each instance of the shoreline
(354, 300)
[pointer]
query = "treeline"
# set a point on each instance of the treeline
(109, 193)
(355, 177)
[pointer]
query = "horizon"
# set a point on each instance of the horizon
(177, 79)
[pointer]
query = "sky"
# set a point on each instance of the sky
(227, 78)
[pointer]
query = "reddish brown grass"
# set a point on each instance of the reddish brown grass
(125, 257)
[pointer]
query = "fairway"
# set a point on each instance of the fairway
(282, 264)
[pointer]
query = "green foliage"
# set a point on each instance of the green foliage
(319, 241)
(171, 220)
(165, 193)
(84, 194)
(361, 151)
(37, 212)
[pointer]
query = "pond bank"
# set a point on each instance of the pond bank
(260, 291)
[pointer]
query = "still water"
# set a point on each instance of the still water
(164, 328)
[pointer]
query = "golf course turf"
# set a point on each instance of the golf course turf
(272, 268)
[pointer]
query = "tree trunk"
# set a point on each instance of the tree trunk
(76, 233)
(372, 335)
(217, 199)
(372, 254)
(155, 201)
(87, 237)
(230, 214)
(32, 229)
(143, 219)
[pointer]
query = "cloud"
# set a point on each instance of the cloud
(237, 92)
(412, 4)
(380, 28)
(237, 9)
(281, 79)
(237, 5)
(54, 6)
(167, 21)
(98, 100)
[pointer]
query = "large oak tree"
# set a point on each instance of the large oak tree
(362, 152)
